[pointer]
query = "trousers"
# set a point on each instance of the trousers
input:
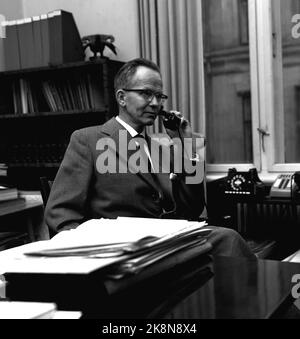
(227, 242)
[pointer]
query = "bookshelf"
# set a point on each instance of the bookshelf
(41, 107)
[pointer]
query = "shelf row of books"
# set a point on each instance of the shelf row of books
(43, 40)
(8, 193)
(22, 154)
(57, 95)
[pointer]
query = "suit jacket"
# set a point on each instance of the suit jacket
(80, 192)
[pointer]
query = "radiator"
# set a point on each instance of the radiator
(267, 217)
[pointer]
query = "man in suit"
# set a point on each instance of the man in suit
(112, 170)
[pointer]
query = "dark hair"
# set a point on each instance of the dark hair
(127, 71)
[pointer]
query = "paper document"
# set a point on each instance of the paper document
(112, 238)
(15, 260)
(117, 247)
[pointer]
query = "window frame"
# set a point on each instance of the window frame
(266, 95)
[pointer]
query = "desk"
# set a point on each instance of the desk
(29, 212)
(227, 288)
(202, 288)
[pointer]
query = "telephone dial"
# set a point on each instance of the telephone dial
(243, 184)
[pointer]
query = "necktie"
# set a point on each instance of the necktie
(167, 203)
(145, 153)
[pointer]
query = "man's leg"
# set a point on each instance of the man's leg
(227, 242)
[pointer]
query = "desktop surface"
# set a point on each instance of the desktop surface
(202, 288)
(220, 288)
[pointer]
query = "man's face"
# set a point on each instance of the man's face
(139, 112)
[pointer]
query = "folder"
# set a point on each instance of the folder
(45, 39)
(11, 47)
(72, 283)
(64, 38)
(26, 42)
(136, 242)
(37, 38)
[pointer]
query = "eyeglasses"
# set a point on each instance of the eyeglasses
(148, 95)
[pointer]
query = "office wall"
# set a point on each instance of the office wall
(9, 10)
(116, 17)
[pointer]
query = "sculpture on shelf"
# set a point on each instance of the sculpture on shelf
(97, 43)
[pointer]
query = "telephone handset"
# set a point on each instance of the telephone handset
(171, 120)
(286, 186)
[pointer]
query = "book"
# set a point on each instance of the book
(24, 95)
(8, 193)
(26, 310)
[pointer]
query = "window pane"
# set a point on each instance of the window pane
(291, 81)
(227, 81)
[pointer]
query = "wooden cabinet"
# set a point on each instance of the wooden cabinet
(41, 107)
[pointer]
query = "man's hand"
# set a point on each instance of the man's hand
(193, 143)
(184, 130)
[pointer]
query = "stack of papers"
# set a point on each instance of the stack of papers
(128, 245)
(26, 310)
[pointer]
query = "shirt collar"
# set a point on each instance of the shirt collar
(129, 129)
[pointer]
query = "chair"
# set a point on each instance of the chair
(12, 239)
(46, 185)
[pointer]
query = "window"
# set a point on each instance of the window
(227, 81)
(286, 84)
(252, 84)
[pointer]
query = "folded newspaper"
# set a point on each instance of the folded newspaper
(135, 243)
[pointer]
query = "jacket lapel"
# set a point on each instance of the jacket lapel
(122, 139)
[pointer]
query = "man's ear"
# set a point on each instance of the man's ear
(120, 97)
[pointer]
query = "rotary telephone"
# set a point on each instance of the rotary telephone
(243, 184)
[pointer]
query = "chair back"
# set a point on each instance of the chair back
(45, 188)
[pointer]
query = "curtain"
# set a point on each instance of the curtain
(171, 36)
